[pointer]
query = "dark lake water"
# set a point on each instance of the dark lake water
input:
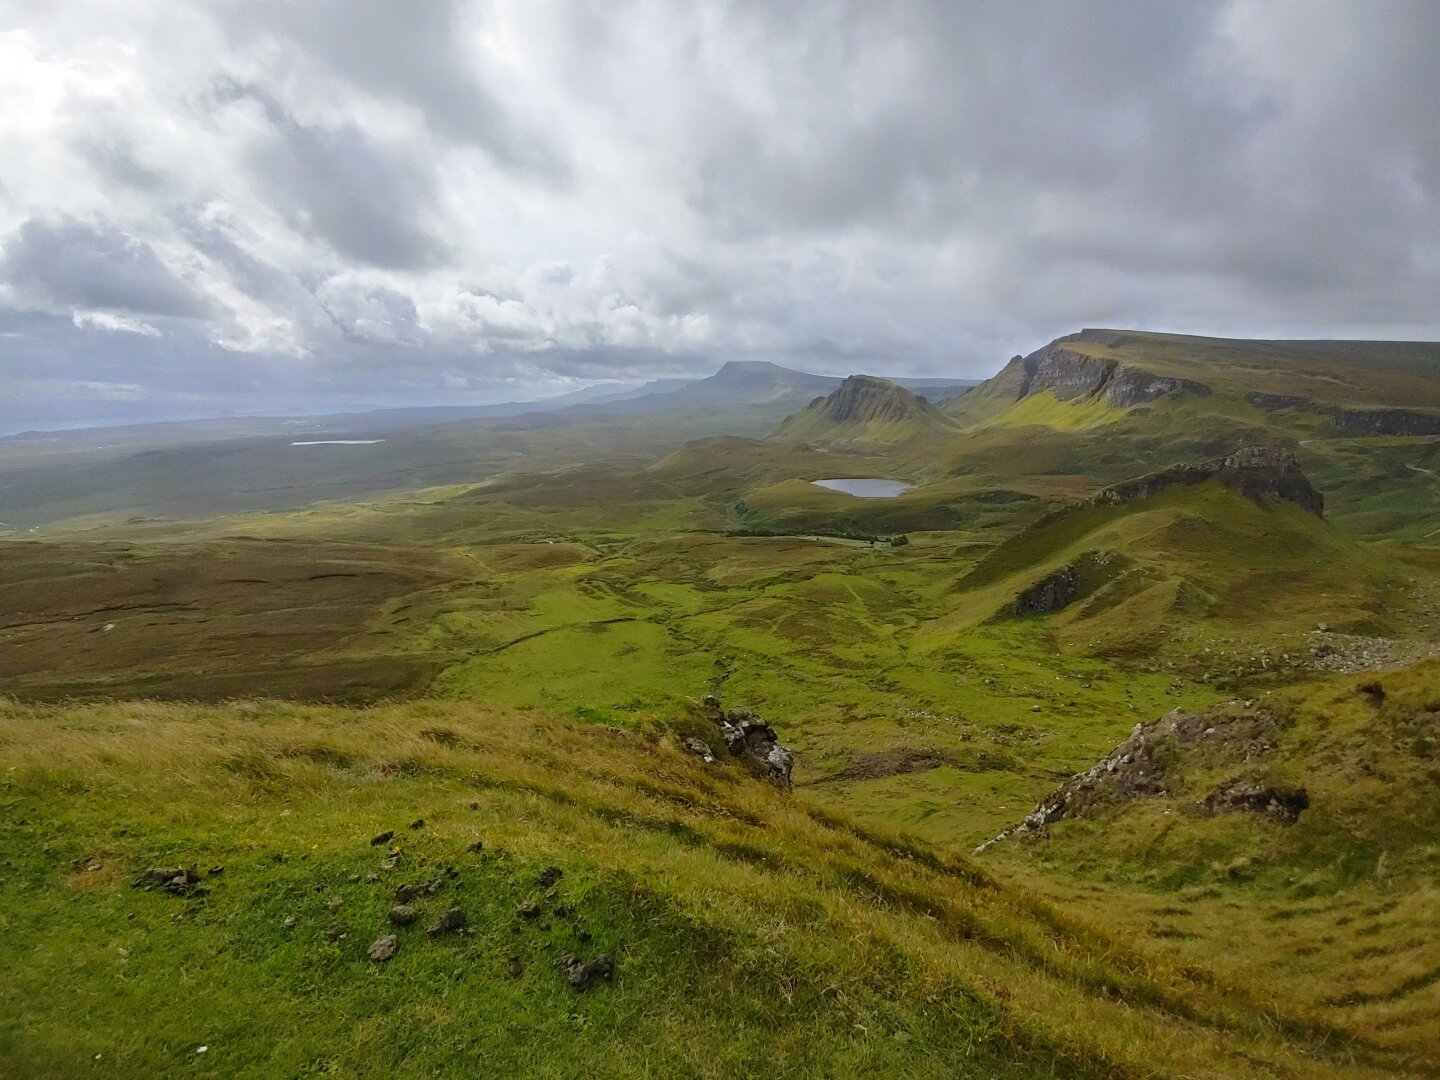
(865, 489)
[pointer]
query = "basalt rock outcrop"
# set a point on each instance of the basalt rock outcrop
(750, 739)
(1270, 472)
(1049, 594)
(1151, 763)
(1070, 374)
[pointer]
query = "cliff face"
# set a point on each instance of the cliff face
(1270, 472)
(1069, 374)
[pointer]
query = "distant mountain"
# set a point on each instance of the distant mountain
(864, 410)
(738, 384)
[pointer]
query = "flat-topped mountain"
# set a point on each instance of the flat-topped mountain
(864, 409)
(1122, 368)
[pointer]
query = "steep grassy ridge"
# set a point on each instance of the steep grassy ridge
(751, 932)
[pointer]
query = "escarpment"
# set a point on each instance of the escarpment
(1070, 375)
(1270, 472)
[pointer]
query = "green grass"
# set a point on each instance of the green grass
(753, 932)
(1334, 907)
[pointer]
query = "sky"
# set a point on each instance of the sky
(246, 205)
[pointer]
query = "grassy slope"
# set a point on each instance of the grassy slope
(753, 932)
(1337, 909)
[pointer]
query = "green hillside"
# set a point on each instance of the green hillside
(743, 926)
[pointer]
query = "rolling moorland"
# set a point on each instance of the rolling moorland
(1116, 735)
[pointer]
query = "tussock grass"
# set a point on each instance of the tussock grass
(755, 933)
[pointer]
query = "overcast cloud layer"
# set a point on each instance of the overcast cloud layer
(260, 204)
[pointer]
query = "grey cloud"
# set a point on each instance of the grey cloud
(414, 53)
(488, 196)
(369, 202)
(69, 263)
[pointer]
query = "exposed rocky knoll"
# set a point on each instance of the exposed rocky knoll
(1070, 374)
(1150, 763)
(863, 409)
(1270, 472)
(747, 737)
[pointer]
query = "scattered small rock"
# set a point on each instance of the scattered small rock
(452, 920)
(477, 847)
(405, 893)
(382, 838)
(529, 910)
(335, 931)
(582, 974)
(214, 871)
(384, 948)
(289, 922)
(549, 876)
(514, 968)
(335, 903)
(418, 823)
(402, 914)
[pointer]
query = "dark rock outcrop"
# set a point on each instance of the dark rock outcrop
(1270, 472)
(753, 741)
(1144, 764)
(1255, 797)
(1049, 594)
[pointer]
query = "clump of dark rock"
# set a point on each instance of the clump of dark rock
(214, 871)
(1142, 764)
(335, 931)
(402, 914)
(529, 910)
(451, 921)
(753, 741)
(384, 948)
(582, 974)
(549, 876)
(1282, 804)
(176, 880)
(418, 823)
(405, 893)
(477, 847)
(1049, 594)
(1374, 692)
(382, 838)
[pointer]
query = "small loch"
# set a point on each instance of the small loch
(865, 489)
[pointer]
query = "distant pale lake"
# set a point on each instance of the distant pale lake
(865, 489)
